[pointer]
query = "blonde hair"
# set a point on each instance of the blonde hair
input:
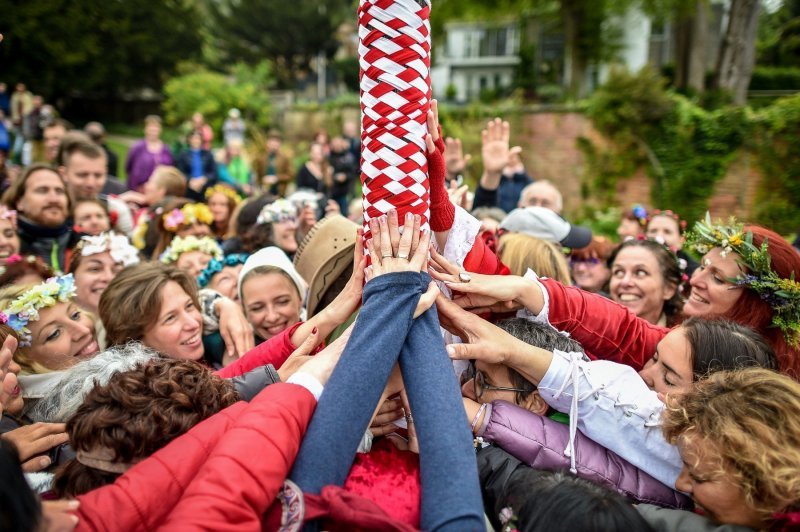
(170, 179)
(752, 418)
(520, 252)
(22, 355)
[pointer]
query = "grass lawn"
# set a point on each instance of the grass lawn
(121, 150)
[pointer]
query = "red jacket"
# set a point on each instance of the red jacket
(605, 329)
(208, 478)
(274, 351)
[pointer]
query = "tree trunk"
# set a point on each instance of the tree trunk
(690, 47)
(574, 61)
(737, 51)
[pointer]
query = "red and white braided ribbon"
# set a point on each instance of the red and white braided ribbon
(394, 54)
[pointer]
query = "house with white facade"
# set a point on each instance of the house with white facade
(476, 56)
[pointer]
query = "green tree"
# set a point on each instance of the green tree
(290, 35)
(213, 94)
(101, 46)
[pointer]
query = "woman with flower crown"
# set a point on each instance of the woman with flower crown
(222, 201)
(746, 276)
(95, 261)
(191, 254)
(182, 219)
(54, 332)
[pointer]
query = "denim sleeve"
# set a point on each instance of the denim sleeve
(354, 388)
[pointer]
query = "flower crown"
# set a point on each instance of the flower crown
(640, 213)
(180, 245)
(26, 307)
(187, 215)
(226, 190)
(117, 245)
(670, 214)
(782, 295)
(280, 210)
(216, 265)
(8, 214)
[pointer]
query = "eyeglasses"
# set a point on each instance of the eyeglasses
(480, 386)
(592, 261)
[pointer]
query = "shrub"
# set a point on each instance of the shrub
(214, 94)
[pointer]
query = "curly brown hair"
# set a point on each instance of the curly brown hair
(137, 413)
(752, 418)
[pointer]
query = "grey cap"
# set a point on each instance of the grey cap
(543, 223)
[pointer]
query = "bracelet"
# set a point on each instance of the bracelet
(481, 410)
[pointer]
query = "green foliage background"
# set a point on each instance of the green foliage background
(213, 94)
(687, 149)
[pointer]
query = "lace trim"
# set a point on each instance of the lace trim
(462, 236)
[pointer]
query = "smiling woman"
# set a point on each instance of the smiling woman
(646, 278)
(157, 305)
(55, 334)
(272, 292)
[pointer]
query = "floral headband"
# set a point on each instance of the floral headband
(782, 295)
(117, 245)
(225, 190)
(179, 246)
(216, 265)
(670, 214)
(8, 214)
(640, 213)
(280, 210)
(187, 215)
(26, 307)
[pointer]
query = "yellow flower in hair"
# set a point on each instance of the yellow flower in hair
(187, 215)
(225, 190)
(736, 240)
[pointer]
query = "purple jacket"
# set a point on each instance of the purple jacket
(540, 442)
(140, 163)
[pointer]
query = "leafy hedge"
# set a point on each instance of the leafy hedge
(775, 78)
(687, 149)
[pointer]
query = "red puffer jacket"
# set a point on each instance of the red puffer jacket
(605, 329)
(274, 351)
(207, 478)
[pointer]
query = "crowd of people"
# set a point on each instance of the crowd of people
(214, 344)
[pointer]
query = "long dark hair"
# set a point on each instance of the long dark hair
(669, 268)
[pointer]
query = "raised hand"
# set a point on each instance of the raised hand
(8, 380)
(495, 152)
(392, 252)
(483, 341)
(455, 159)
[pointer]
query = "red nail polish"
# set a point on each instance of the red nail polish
(314, 331)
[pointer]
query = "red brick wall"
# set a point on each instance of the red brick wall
(550, 151)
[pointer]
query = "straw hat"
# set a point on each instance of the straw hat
(325, 252)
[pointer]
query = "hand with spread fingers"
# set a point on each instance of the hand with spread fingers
(392, 252)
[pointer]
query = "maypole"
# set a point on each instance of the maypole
(394, 56)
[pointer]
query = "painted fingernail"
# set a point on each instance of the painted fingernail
(314, 330)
